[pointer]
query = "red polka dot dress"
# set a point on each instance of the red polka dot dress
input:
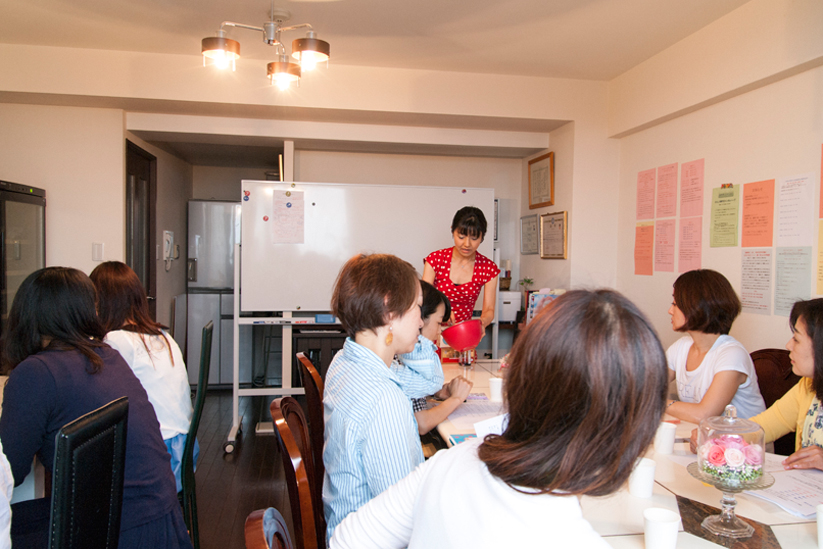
(462, 297)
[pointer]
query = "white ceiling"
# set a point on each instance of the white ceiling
(585, 39)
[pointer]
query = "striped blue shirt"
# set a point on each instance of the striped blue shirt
(419, 372)
(371, 438)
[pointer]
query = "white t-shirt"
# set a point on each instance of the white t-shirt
(453, 501)
(167, 385)
(726, 354)
(6, 487)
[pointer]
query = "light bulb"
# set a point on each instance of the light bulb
(282, 81)
(308, 60)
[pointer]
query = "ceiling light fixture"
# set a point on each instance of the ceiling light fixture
(309, 51)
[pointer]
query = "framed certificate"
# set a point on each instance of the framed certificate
(553, 236)
(528, 235)
(541, 181)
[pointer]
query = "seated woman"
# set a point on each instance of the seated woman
(799, 409)
(434, 310)
(63, 370)
(712, 369)
(585, 391)
(371, 438)
(153, 356)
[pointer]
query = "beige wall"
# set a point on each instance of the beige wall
(78, 156)
(212, 183)
(771, 132)
(174, 187)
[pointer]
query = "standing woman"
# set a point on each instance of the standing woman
(149, 351)
(460, 272)
(712, 369)
(61, 370)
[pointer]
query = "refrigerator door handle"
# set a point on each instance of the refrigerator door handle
(191, 271)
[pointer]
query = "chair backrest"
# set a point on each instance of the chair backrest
(297, 478)
(313, 384)
(87, 481)
(187, 461)
(774, 377)
(266, 529)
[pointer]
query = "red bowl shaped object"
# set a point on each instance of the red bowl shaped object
(464, 335)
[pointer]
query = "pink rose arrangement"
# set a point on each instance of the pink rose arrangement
(731, 459)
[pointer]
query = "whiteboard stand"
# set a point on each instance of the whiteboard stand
(286, 383)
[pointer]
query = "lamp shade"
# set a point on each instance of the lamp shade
(310, 51)
(220, 50)
(283, 72)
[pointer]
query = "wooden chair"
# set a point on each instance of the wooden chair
(266, 529)
(313, 384)
(286, 412)
(189, 492)
(87, 482)
(775, 377)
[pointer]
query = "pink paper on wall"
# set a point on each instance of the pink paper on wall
(667, 190)
(664, 237)
(691, 242)
(758, 214)
(645, 194)
(643, 246)
(691, 188)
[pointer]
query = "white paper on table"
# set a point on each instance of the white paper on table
(798, 491)
(474, 411)
(492, 426)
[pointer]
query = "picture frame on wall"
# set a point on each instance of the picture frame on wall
(541, 181)
(553, 235)
(529, 243)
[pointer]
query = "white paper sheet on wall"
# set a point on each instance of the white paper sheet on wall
(288, 217)
(795, 211)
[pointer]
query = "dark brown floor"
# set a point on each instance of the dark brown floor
(230, 486)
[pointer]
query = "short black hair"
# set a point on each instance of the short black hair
(471, 221)
(707, 300)
(811, 311)
(432, 297)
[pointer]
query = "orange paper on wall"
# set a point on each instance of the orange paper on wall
(643, 248)
(758, 214)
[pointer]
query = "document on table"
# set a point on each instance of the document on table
(798, 491)
(474, 411)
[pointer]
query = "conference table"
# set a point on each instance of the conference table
(619, 517)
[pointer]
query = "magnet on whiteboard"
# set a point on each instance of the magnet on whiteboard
(246, 198)
(247, 193)
(265, 218)
(288, 193)
(288, 204)
(464, 191)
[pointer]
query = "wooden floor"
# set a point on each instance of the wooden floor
(230, 486)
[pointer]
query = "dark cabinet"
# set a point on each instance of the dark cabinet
(319, 345)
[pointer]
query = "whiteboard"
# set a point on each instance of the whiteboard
(339, 221)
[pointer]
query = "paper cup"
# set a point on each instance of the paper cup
(820, 526)
(664, 439)
(496, 389)
(641, 481)
(660, 528)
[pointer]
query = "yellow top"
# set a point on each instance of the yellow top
(788, 414)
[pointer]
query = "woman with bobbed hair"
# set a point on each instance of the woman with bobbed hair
(371, 438)
(150, 352)
(61, 370)
(585, 392)
(711, 368)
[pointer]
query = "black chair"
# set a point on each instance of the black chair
(774, 378)
(189, 492)
(87, 481)
(266, 529)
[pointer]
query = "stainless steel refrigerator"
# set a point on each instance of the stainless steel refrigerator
(213, 230)
(23, 226)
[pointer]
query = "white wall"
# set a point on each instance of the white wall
(174, 187)
(78, 156)
(768, 133)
